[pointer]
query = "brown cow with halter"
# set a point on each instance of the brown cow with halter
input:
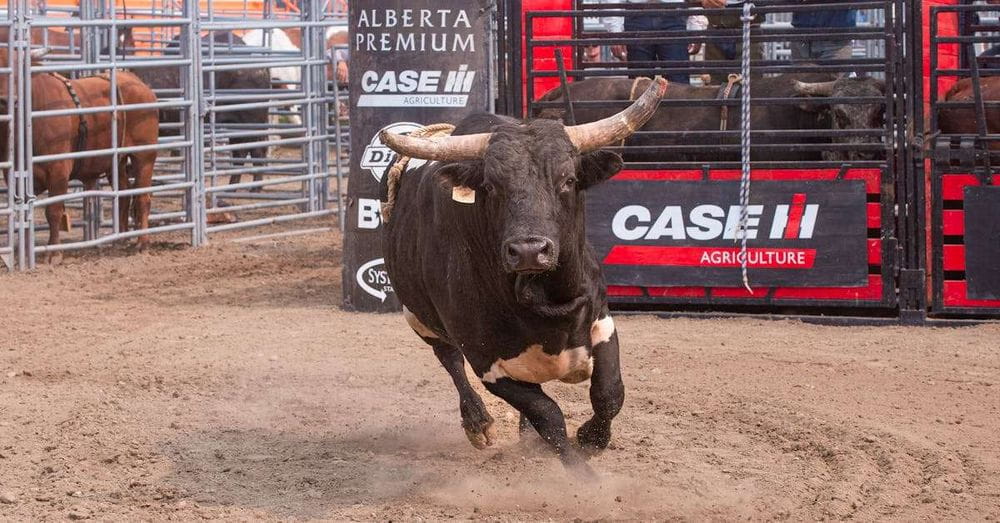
(69, 133)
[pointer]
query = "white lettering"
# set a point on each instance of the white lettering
(808, 221)
(369, 213)
(405, 42)
(619, 225)
(705, 227)
(429, 81)
(670, 223)
(779, 223)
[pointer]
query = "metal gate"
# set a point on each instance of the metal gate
(965, 197)
(208, 150)
(872, 162)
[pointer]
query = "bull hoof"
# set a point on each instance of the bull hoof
(482, 438)
(593, 436)
(54, 258)
(576, 465)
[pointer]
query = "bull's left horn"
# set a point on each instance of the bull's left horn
(440, 148)
(814, 88)
(592, 136)
(40, 52)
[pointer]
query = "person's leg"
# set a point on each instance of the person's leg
(674, 52)
(715, 52)
(639, 56)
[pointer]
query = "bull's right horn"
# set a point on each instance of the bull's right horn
(592, 136)
(814, 88)
(40, 52)
(441, 148)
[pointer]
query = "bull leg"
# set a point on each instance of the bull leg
(476, 420)
(142, 173)
(124, 202)
(607, 392)
(524, 427)
(257, 152)
(235, 178)
(58, 177)
(91, 211)
(544, 414)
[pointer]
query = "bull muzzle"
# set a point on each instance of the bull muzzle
(530, 254)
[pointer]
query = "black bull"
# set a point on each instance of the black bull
(504, 277)
(679, 119)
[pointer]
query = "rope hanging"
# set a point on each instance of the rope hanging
(397, 169)
(741, 234)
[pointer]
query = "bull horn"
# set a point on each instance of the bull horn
(441, 148)
(814, 88)
(40, 52)
(592, 136)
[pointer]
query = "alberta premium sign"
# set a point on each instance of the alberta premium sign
(413, 63)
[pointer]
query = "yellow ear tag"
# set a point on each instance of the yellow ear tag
(463, 194)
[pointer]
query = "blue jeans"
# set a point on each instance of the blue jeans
(822, 50)
(657, 52)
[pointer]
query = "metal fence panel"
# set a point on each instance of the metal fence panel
(207, 144)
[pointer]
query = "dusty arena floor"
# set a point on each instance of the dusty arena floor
(225, 383)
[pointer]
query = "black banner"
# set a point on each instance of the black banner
(982, 242)
(682, 233)
(413, 63)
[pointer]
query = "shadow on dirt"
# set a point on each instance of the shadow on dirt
(305, 477)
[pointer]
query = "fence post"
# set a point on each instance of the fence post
(21, 181)
(194, 125)
(913, 274)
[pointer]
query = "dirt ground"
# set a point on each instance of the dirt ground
(225, 383)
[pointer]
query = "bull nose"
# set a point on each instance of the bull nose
(534, 253)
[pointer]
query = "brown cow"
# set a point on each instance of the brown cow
(48, 37)
(62, 134)
(962, 120)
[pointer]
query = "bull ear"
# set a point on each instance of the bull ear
(597, 167)
(462, 174)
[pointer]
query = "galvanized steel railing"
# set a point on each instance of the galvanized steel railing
(192, 188)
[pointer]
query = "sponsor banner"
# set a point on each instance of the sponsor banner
(413, 63)
(982, 242)
(684, 233)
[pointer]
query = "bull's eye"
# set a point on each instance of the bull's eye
(568, 184)
(487, 187)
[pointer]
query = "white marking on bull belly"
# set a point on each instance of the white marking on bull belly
(535, 366)
(417, 327)
(601, 331)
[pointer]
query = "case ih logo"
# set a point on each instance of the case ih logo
(802, 233)
(377, 156)
(709, 222)
(417, 88)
